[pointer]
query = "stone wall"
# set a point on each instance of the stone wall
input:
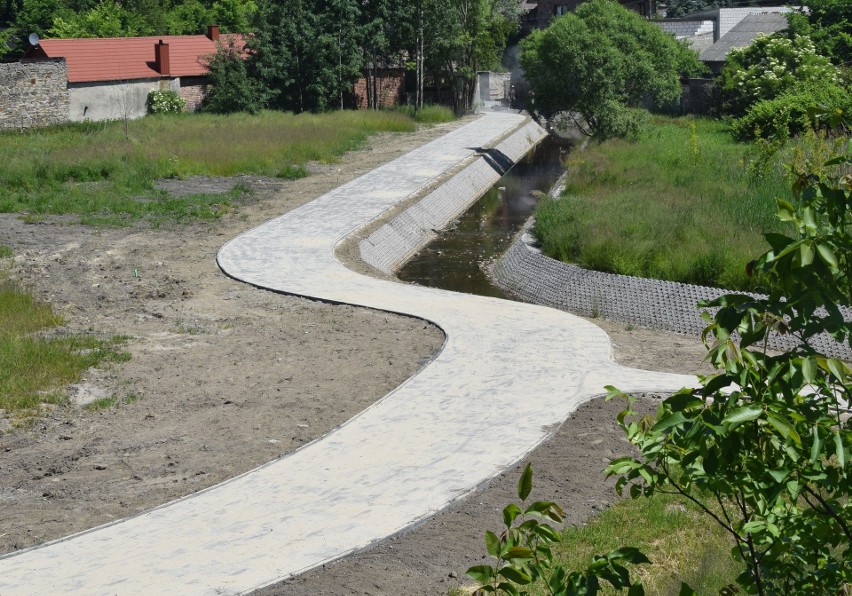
(670, 306)
(33, 93)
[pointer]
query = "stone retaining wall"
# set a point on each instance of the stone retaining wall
(394, 243)
(33, 93)
(669, 306)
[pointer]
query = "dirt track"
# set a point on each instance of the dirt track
(224, 377)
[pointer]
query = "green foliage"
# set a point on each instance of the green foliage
(304, 52)
(771, 66)
(106, 19)
(230, 88)
(791, 112)
(829, 24)
(597, 62)
(524, 555)
(767, 439)
(165, 101)
(658, 207)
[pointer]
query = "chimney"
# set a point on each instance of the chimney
(213, 32)
(161, 57)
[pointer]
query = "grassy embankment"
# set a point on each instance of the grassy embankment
(92, 171)
(681, 204)
(36, 366)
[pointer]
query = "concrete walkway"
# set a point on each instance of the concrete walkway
(509, 373)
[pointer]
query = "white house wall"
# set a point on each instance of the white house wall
(113, 100)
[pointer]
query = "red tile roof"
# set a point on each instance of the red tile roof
(128, 58)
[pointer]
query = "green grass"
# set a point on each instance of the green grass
(93, 171)
(5, 251)
(35, 369)
(682, 543)
(428, 114)
(679, 204)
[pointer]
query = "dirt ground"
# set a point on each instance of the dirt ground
(224, 377)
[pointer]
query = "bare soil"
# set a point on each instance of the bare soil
(224, 377)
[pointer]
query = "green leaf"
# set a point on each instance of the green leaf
(783, 426)
(629, 554)
(525, 483)
(636, 589)
(669, 421)
(481, 573)
(815, 446)
(827, 255)
(838, 449)
(685, 590)
(510, 512)
(806, 254)
(515, 575)
(519, 552)
(492, 544)
(743, 414)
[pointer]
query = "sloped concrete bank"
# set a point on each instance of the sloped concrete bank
(668, 306)
(391, 245)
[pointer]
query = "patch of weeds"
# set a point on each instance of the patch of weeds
(5, 251)
(35, 369)
(103, 403)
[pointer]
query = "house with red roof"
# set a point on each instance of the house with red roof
(110, 78)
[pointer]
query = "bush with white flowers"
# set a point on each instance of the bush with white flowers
(771, 66)
(165, 102)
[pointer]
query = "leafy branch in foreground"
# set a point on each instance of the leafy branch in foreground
(763, 446)
(524, 555)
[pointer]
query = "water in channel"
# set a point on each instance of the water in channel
(452, 261)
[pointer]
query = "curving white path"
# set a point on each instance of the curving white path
(507, 375)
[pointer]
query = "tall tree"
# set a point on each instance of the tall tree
(302, 53)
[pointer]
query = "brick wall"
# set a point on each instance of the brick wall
(33, 93)
(192, 90)
(390, 84)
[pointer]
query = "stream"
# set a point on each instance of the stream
(486, 230)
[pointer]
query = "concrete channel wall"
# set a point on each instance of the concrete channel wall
(387, 248)
(669, 306)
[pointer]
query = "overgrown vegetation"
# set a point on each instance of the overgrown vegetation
(679, 541)
(692, 205)
(91, 170)
(34, 367)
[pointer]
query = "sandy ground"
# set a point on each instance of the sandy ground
(224, 377)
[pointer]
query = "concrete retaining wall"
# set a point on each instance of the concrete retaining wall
(391, 245)
(669, 306)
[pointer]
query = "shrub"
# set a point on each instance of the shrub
(599, 61)
(790, 113)
(165, 101)
(771, 66)
(232, 89)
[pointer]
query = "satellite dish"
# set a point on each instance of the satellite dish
(34, 39)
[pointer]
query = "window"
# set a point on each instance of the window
(560, 9)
